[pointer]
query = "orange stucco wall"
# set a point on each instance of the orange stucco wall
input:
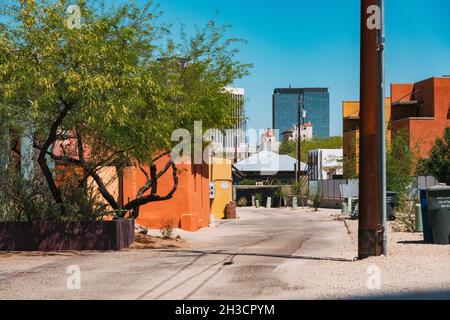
(433, 116)
(189, 208)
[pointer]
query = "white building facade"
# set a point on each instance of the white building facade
(325, 164)
(233, 141)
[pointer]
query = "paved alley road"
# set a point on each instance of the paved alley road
(257, 256)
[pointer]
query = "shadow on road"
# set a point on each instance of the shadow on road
(264, 255)
(224, 262)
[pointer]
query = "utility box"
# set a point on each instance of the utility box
(391, 205)
(439, 212)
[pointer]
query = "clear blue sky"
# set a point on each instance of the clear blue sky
(316, 43)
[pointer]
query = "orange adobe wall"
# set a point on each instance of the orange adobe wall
(189, 209)
(424, 112)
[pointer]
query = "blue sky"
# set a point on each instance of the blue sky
(316, 43)
(307, 43)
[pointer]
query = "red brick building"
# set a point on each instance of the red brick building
(423, 109)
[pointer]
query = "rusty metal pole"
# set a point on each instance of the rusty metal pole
(368, 243)
(382, 211)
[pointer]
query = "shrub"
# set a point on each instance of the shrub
(316, 199)
(247, 182)
(242, 202)
(167, 229)
(258, 197)
(30, 200)
(405, 219)
(400, 163)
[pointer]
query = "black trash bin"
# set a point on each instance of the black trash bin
(391, 202)
(439, 213)
(427, 231)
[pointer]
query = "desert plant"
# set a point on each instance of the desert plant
(316, 199)
(23, 200)
(405, 218)
(258, 197)
(167, 228)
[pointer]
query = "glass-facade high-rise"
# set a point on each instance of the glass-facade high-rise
(316, 103)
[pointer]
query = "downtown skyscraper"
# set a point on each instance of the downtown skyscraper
(316, 104)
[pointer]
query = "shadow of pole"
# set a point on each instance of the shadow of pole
(234, 254)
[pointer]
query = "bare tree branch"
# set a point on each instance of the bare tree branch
(153, 197)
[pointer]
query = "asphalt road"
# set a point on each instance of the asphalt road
(266, 254)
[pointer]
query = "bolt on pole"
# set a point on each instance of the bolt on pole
(372, 189)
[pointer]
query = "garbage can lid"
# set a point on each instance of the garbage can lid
(439, 187)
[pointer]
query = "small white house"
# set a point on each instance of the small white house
(325, 163)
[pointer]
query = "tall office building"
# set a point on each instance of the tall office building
(233, 140)
(316, 104)
(236, 136)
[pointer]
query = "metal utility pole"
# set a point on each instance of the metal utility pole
(372, 184)
(382, 132)
(299, 137)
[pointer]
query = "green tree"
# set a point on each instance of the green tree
(400, 163)
(290, 147)
(113, 90)
(438, 164)
(350, 161)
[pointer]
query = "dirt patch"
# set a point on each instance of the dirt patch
(44, 254)
(144, 242)
(141, 242)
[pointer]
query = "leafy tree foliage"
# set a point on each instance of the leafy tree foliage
(290, 147)
(400, 163)
(438, 164)
(111, 92)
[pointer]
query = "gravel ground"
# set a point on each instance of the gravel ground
(411, 268)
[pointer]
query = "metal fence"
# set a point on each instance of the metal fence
(330, 189)
(340, 189)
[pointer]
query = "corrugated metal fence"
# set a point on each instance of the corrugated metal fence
(340, 189)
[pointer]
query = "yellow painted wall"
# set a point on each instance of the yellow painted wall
(350, 113)
(220, 172)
